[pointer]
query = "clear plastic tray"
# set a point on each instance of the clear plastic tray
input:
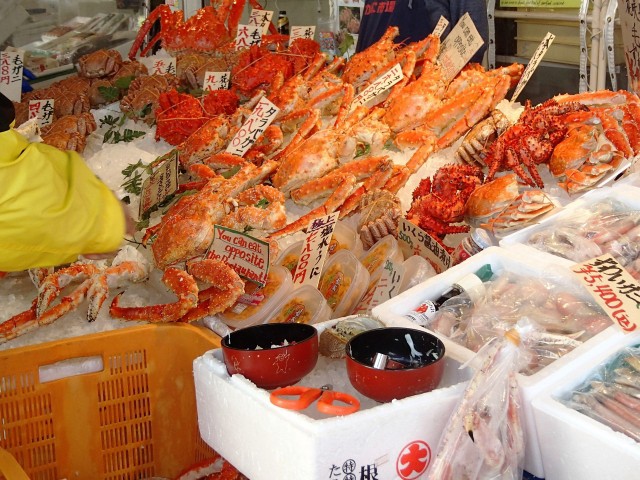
(343, 282)
(304, 305)
(373, 260)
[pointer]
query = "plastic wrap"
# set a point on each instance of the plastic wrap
(483, 439)
(556, 311)
(611, 395)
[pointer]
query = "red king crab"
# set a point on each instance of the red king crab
(440, 202)
(530, 141)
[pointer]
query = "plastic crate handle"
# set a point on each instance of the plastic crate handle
(10, 468)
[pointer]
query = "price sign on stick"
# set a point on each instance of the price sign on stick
(613, 288)
(248, 35)
(42, 111)
(533, 63)
(160, 184)
(247, 255)
(441, 26)
(216, 80)
(262, 19)
(305, 31)
(253, 127)
(415, 241)
(159, 64)
(384, 82)
(459, 46)
(11, 75)
(315, 250)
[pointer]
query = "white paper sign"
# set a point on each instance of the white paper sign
(415, 241)
(459, 46)
(253, 127)
(42, 110)
(174, 5)
(261, 18)
(216, 80)
(630, 22)
(248, 35)
(384, 82)
(304, 31)
(247, 255)
(11, 75)
(533, 63)
(613, 288)
(160, 184)
(159, 64)
(315, 249)
(441, 26)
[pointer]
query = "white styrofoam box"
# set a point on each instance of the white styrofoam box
(625, 193)
(266, 442)
(576, 446)
(522, 261)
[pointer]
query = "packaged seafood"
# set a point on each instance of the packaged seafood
(290, 256)
(343, 282)
(416, 270)
(345, 237)
(257, 303)
(305, 304)
(373, 260)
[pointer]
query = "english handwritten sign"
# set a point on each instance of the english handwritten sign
(247, 255)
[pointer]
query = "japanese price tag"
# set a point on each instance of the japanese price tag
(613, 288)
(384, 82)
(247, 255)
(160, 184)
(248, 35)
(216, 80)
(42, 111)
(459, 46)
(387, 286)
(261, 18)
(306, 31)
(630, 26)
(11, 75)
(441, 26)
(415, 241)
(159, 64)
(261, 117)
(533, 63)
(174, 5)
(315, 250)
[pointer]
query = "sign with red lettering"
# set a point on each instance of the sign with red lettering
(248, 35)
(247, 255)
(386, 287)
(42, 111)
(381, 84)
(216, 80)
(459, 46)
(415, 241)
(315, 250)
(413, 460)
(160, 184)
(11, 75)
(253, 127)
(613, 288)
(159, 64)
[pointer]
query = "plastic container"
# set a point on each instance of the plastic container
(290, 256)
(478, 240)
(345, 238)
(417, 269)
(263, 300)
(343, 282)
(304, 305)
(373, 260)
(134, 418)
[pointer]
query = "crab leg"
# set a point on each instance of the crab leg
(68, 303)
(53, 284)
(307, 126)
(398, 178)
(331, 205)
(375, 182)
(166, 17)
(422, 154)
(19, 324)
(181, 283)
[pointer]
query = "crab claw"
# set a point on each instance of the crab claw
(181, 283)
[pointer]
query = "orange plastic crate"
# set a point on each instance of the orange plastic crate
(135, 419)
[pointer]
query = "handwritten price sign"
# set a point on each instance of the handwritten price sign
(216, 80)
(441, 26)
(159, 64)
(459, 46)
(11, 75)
(533, 63)
(261, 18)
(247, 255)
(386, 81)
(387, 287)
(248, 35)
(255, 125)
(415, 241)
(302, 31)
(42, 111)
(160, 184)
(314, 250)
(613, 288)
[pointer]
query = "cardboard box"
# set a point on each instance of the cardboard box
(266, 442)
(535, 263)
(576, 446)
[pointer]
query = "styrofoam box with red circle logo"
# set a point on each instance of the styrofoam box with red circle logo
(525, 262)
(576, 446)
(390, 441)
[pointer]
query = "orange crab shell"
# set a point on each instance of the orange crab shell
(491, 198)
(178, 115)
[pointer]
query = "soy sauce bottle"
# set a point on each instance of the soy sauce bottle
(283, 22)
(425, 312)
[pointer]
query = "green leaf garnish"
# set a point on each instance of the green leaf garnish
(231, 172)
(362, 149)
(263, 203)
(110, 94)
(123, 83)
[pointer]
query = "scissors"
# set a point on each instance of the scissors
(307, 395)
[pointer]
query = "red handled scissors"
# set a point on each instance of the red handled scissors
(307, 395)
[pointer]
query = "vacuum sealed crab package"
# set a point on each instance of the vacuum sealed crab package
(483, 439)
(611, 394)
(557, 313)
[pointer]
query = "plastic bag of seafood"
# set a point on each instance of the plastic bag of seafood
(581, 415)
(483, 438)
(381, 440)
(518, 297)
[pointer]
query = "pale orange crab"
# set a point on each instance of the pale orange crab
(100, 63)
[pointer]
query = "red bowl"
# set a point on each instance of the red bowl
(252, 352)
(405, 374)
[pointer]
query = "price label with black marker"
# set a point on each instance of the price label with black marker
(380, 85)
(247, 36)
(460, 45)
(415, 241)
(261, 18)
(11, 65)
(441, 26)
(302, 31)
(216, 80)
(160, 184)
(261, 117)
(315, 248)
(42, 111)
(533, 64)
